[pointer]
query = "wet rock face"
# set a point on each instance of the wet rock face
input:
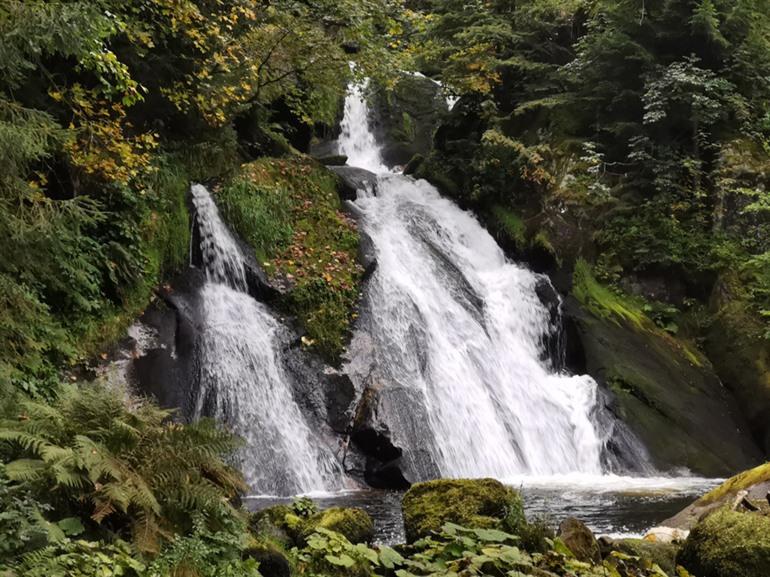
(580, 540)
(353, 179)
(665, 396)
(406, 118)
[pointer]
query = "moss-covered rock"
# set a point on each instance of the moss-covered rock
(288, 210)
(271, 524)
(754, 484)
(484, 503)
(664, 389)
(661, 554)
(728, 544)
(272, 560)
(355, 524)
(406, 116)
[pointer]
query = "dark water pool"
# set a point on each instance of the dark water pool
(615, 506)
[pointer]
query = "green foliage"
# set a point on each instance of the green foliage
(125, 467)
(289, 211)
(69, 558)
(206, 553)
(602, 301)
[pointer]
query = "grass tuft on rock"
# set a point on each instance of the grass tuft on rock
(289, 211)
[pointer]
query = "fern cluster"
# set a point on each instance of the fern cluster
(128, 469)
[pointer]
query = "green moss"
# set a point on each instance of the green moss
(483, 503)
(355, 524)
(728, 544)
(511, 224)
(288, 210)
(603, 302)
(740, 482)
(662, 554)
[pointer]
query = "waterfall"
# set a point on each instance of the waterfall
(458, 334)
(356, 139)
(242, 381)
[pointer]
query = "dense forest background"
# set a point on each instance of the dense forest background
(625, 138)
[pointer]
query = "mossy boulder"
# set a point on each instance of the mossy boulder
(661, 554)
(728, 544)
(272, 560)
(355, 524)
(406, 117)
(663, 388)
(271, 524)
(479, 503)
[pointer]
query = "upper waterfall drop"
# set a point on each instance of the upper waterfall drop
(356, 139)
(242, 381)
(458, 336)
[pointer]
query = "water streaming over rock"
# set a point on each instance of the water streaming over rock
(242, 381)
(457, 333)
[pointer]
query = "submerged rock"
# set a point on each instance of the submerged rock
(580, 540)
(485, 503)
(728, 544)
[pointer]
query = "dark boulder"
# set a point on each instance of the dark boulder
(354, 179)
(580, 540)
(272, 561)
(390, 429)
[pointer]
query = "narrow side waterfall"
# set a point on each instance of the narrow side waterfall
(458, 334)
(242, 381)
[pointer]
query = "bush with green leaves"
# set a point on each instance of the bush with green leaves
(68, 558)
(120, 464)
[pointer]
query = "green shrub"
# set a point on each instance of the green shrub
(80, 559)
(120, 463)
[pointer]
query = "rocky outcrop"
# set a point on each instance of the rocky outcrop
(406, 117)
(741, 355)
(665, 392)
(484, 503)
(353, 179)
(752, 485)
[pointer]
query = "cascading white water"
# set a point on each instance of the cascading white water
(356, 138)
(459, 330)
(242, 381)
